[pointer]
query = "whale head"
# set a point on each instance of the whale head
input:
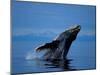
(73, 32)
(65, 40)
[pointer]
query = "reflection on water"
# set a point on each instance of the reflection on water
(50, 65)
(63, 64)
(33, 59)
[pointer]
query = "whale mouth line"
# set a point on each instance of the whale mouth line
(76, 29)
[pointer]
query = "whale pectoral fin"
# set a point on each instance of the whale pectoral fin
(52, 45)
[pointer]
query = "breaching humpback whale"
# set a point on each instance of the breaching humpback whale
(58, 48)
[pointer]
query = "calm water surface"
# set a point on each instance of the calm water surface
(26, 60)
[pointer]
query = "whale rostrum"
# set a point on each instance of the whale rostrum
(58, 48)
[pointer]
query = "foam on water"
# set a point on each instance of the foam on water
(34, 55)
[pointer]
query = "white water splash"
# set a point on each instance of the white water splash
(34, 55)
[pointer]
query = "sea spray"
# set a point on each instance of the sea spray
(34, 55)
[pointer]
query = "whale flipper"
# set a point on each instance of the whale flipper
(52, 45)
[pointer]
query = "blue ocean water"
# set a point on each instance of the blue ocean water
(35, 23)
(81, 55)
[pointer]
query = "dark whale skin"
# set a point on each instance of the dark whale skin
(58, 48)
